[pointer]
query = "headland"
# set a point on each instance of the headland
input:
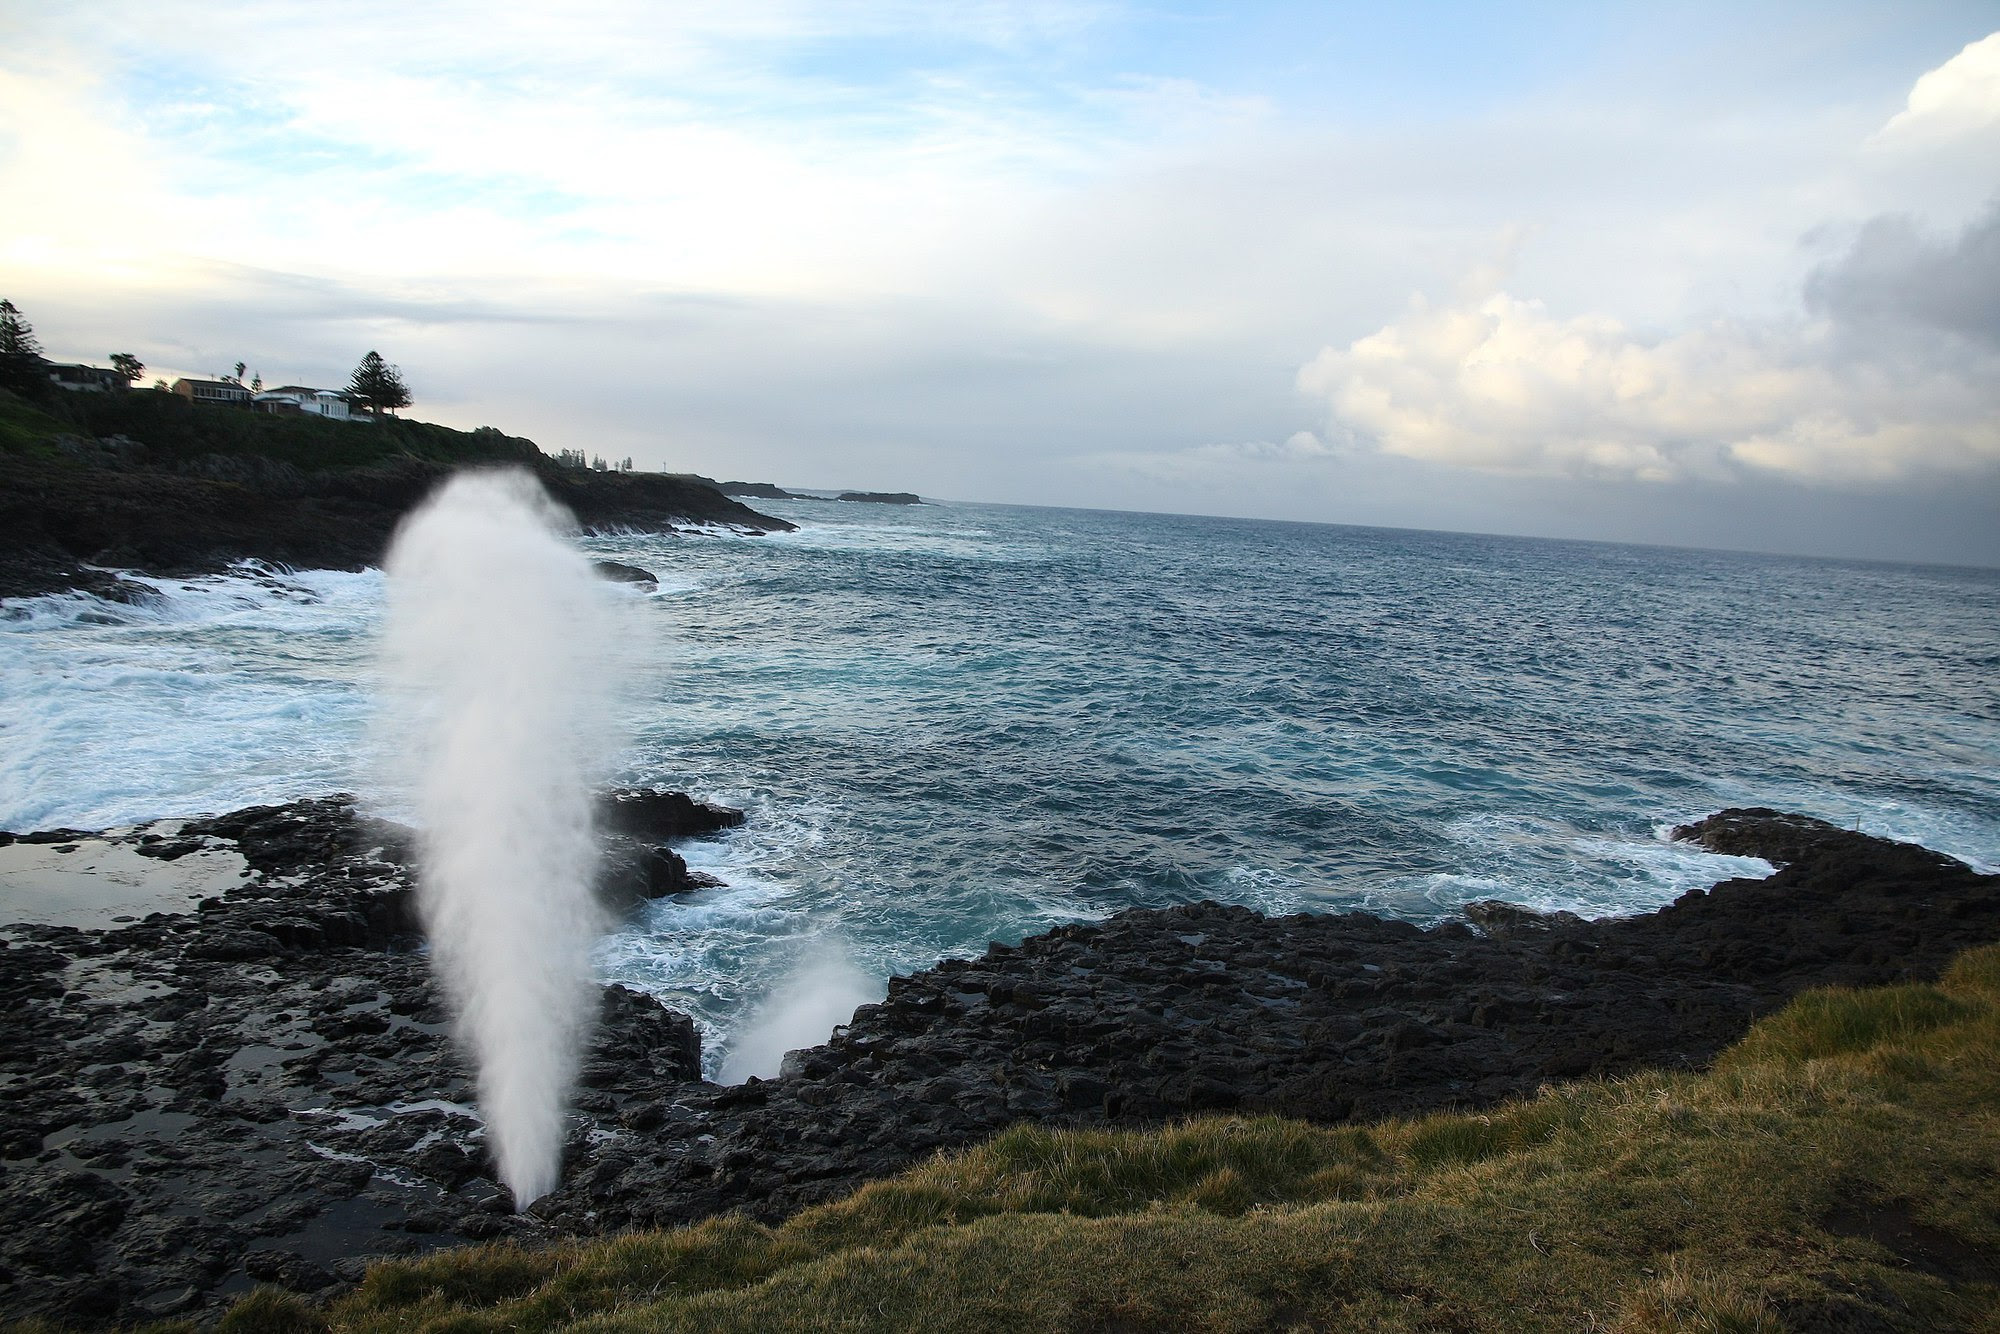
(91, 484)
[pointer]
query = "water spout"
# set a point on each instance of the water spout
(497, 652)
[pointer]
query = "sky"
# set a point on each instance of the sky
(1704, 274)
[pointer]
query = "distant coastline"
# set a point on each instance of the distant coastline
(771, 491)
(881, 497)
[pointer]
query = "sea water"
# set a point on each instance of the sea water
(951, 724)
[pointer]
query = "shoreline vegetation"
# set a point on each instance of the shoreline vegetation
(1218, 1120)
(149, 482)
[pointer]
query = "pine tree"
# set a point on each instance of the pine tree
(128, 366)
(379, 385)
(22, 366)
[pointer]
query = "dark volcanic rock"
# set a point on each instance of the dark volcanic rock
(265, 1089)
(246, 1092)
(1160, 1013)
(647, 813)
(69, 522)
(755, 490)
(620, 573)
(881, 497)
(636, 823)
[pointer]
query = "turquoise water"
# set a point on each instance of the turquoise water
(959, 723)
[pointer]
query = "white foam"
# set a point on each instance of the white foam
(1549, 865)
(1269, 892)
(212, 694)
(915, 537)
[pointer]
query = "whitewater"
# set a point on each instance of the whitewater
(951, 724)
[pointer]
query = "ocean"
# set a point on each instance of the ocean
(951, 724)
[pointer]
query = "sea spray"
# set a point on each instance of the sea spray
(818, 996)
(497, 663)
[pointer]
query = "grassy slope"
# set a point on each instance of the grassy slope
(26, 429)
(1837, 1169)
(173, 429)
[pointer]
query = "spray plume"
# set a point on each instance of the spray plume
(496, 650)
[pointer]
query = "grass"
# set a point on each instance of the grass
(1836, 1169)
(174, 429)
(26, 429)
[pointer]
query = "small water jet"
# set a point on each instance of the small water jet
(497, 657)
(818, 996)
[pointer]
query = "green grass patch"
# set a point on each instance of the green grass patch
(1836, 1169)
(175, 430)
(26, 429)
(1826, 1023)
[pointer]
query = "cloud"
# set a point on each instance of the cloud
(1959, 98)
(1501, 385)
(1895, 273)
(1034, 250)
(1890, 373)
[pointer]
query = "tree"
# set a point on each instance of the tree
(22, 366)
(128, 366)
(379, 385)
(257, 383)
(238, 377)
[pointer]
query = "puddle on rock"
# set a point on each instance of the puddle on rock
(100, 880)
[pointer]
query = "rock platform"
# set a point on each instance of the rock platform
(264, 1089)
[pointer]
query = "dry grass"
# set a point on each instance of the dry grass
(1837, 1170)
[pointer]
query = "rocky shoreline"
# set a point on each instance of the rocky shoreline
(76, 522)
(262, 1088)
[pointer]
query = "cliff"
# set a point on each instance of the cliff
(147, 482)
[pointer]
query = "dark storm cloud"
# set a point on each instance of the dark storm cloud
(1895, 273)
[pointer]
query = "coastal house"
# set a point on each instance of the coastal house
(211, 391)
(85, 379)
(296, 399)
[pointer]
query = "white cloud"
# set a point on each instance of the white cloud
(1501, 385)
(1940, 155)
(1494, 383)
(910, 245)
(1959, 98)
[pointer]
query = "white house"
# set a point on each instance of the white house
(291, 398)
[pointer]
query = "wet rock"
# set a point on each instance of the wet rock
(172, 507)
(1205, 1007)
(657, 816)
(309, 1101)
(618, 572)
(277, 1065)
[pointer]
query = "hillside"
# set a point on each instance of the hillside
(148, 482)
